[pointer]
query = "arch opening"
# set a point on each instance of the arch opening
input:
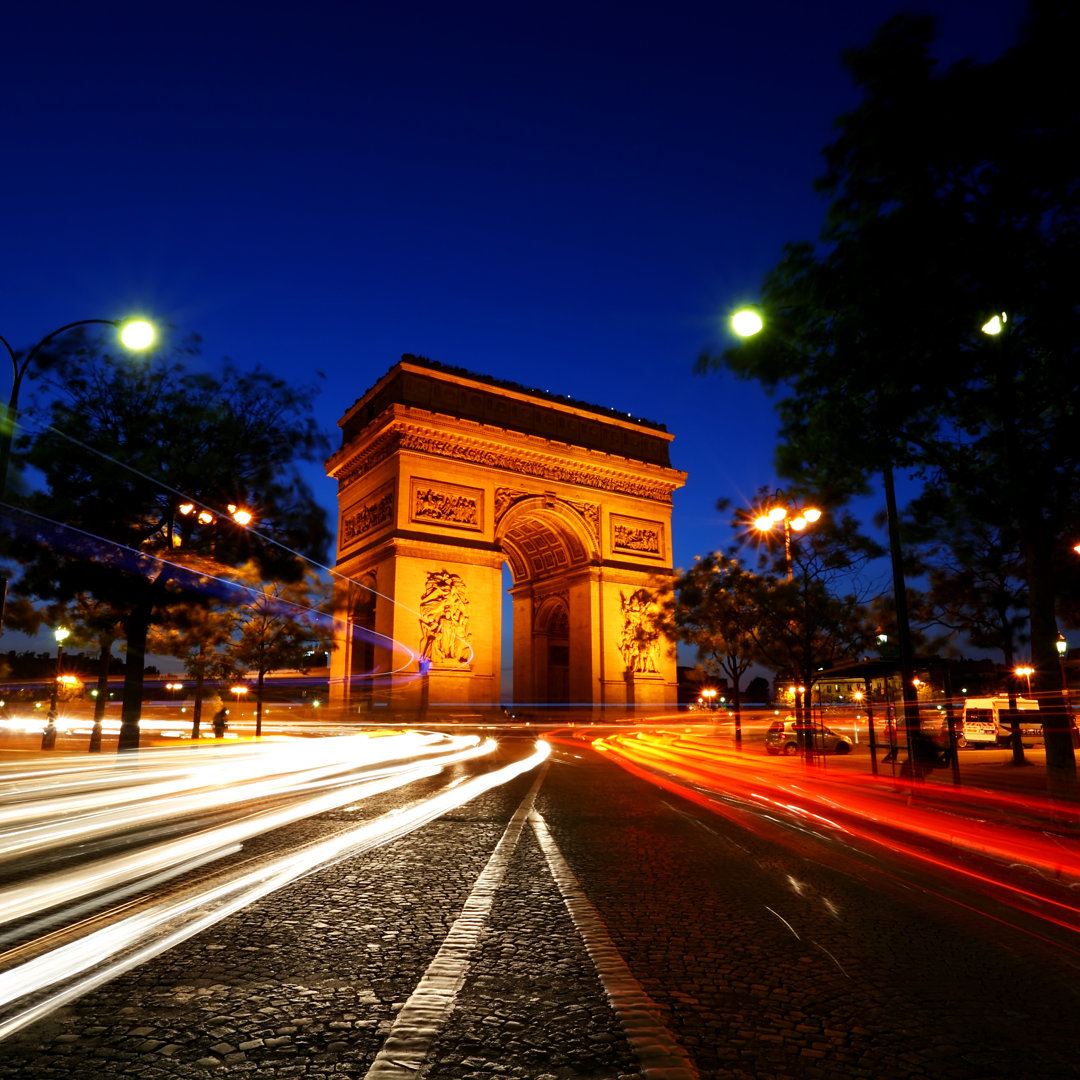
(548, 554)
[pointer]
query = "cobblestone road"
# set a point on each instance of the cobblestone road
(763, 961)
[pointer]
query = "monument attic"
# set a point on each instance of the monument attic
(442, 477)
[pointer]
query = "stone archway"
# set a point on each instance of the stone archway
(551, 554)
(443, 475)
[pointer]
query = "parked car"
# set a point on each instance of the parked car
(783, 738)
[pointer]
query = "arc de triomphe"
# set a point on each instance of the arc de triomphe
(442, 477)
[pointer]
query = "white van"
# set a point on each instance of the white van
(983, 724)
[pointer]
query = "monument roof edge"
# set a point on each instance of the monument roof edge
(460, 375)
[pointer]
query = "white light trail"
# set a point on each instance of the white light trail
(278, 768)
(42, 984)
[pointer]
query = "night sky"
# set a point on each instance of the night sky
(567, 196)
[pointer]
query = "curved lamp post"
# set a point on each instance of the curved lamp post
(135, 334)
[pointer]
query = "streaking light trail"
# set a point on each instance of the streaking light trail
(1013, 850)
(40, 975)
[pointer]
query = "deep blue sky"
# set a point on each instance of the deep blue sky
(568, 196)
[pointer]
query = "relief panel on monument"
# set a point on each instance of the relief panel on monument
(591, 513)
(434, 502)
(639, 641)
(445, 633)
(505, 498)
(374, 513)
(636, 536)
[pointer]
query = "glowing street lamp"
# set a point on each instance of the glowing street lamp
(135, 334)
(205, 516)
(791, 517)
(1062, 647)
(48, 736)
(1025, 672)
(746, 323)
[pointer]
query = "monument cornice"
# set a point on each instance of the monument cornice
(403, 429)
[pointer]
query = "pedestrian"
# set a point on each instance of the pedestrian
(219, 723)
(48, 736)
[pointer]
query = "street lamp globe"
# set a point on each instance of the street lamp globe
(746, 323)
(137, 334)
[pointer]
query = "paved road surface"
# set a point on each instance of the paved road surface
(593, 926)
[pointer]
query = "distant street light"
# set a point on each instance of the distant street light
(48, 736)
(1062, 647)
(1025, 672)
(791, 517)
(205, 516)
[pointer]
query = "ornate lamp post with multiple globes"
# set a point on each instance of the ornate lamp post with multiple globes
(791, 517)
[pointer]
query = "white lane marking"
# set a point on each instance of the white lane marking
(424, 1015)
(658, 1054)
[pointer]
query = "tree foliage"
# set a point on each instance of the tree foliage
(280, 627)
(974, 571)
(713, 607)
(953, 196)
(123, 445)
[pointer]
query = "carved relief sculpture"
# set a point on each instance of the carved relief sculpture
(591, 513)
(368, 517)
(639, 642)
(444, 619)
(505, 498)
(639, 537)
(446, 507)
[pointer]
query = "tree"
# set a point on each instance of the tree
(953, 196)
(281, 626)
(817, 617)
(713, 606)
(127, 448)
(199, 635)
(975, 574)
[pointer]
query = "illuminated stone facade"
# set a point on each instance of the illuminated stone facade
(442, 477)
